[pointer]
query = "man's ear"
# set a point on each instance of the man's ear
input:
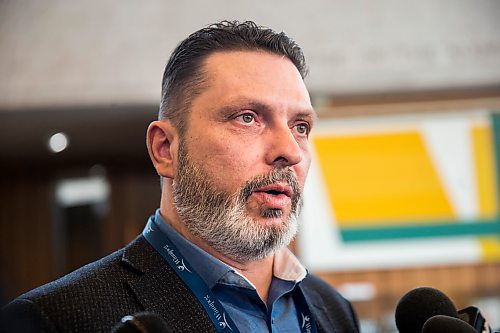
(162, 142)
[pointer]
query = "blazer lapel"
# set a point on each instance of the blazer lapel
(318, 309)
(159, 290)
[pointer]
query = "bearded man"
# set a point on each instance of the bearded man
(231, 148)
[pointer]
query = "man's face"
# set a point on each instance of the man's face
(244, 156)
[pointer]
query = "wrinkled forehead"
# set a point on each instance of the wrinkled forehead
(256, 73)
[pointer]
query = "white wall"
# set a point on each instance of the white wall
(95, 52)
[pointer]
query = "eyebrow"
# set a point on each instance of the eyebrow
(252, 104)
(311, 114)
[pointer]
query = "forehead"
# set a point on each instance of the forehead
(254, 75)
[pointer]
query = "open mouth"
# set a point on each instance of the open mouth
(276, 190)
(273, 192)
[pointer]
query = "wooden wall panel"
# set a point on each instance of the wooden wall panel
(29, 243)
(25, 232)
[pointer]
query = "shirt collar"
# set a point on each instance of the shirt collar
(212, 270)
(288, 267)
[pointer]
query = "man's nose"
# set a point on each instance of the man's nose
(283, 148)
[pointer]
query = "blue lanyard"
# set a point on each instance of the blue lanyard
(212, 306)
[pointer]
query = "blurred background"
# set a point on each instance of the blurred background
(404, 188)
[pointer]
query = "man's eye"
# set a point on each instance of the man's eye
(302, 129)
(246, 118)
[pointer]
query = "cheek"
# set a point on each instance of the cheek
(228, 162)
(231, 152)
(302, 169)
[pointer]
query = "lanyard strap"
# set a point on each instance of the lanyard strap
(211, 304)
(215, 310)
(306, 320)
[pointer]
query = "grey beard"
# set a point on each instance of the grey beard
(220, 219)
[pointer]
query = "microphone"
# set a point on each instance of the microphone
(443, 324)
(142, 322)
(420, 304)
(473, 317)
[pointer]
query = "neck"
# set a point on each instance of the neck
(259, 272)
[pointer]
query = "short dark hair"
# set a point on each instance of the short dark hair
(184, 78)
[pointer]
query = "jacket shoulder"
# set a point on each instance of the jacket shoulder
(95, 293)
(89, 281)
(95, 297)
(24, 315)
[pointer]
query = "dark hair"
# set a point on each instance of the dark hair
(184, 78)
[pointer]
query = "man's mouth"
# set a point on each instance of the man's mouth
(273, 196)
(276, 189)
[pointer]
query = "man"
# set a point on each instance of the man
(231, 148)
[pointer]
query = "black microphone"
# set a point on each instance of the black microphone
(142, 322)
(444, 324)
(473, 317)
(420, 304)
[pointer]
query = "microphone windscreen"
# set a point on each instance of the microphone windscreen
(420, 304)
(142, 322)
(443, 324)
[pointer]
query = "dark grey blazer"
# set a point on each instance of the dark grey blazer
(133, 279)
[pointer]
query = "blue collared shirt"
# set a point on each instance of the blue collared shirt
(238, 295)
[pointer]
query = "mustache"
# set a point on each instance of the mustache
(277, 175)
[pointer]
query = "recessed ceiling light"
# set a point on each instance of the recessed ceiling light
(58, 142)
